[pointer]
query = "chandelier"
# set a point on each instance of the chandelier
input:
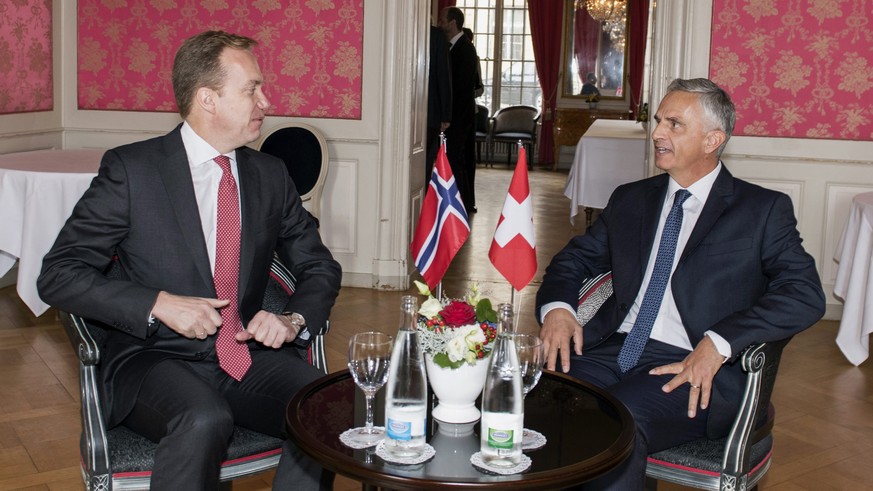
(603, 10)
(612, 14)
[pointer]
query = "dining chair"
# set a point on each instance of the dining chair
(735, 462)
(483, 123)
(120, 459)
(512, 124)
(304, 150)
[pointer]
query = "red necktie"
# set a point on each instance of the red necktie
(233, 356)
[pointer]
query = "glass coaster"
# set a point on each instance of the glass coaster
(346, 438)
(532, 440)
(480, 465)
(428, 453)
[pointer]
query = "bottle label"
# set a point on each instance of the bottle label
(502, 429)
(399, 430)
(500, 438)
(405, 423)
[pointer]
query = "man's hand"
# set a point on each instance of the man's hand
(192, 317)
(445, 125)
(269, 329)
(698, 369)
(559, 326)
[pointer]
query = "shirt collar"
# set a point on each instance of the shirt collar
(198, 150)
(700, 189)
(455, 38)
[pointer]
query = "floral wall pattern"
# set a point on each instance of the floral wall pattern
(26, 56)
(796, 68)
(310, 51)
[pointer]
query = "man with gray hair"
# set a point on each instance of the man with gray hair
(703, 265)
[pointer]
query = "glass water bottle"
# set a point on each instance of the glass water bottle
(405, 399)
(502, 399)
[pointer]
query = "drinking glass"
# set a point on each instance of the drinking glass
(369, 357)
(531, 359)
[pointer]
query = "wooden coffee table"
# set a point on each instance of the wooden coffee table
(588, 433)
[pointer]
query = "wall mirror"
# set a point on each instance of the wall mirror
(595, 54)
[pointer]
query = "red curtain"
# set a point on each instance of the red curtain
(585, 41)
(546, 17)
(639, 23)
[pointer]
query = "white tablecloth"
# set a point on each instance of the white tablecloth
(610, 153)
(37, 193)
(854, 283)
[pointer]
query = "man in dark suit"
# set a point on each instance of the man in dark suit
(439, 96)
(736, 275)
(464, 61)
(171, 370)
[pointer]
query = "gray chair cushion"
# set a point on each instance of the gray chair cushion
(706, 455)
(130, 452)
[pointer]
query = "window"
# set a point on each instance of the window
(501, 33)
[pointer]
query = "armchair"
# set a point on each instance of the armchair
(482, 131)
(304, 150)
(511, 124)
(121, 459)
(735, 462)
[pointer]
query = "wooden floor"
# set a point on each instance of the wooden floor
(824, 423)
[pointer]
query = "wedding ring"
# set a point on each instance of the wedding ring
(693, 386)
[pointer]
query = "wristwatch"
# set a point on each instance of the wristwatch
(296, 319)
(303, 336)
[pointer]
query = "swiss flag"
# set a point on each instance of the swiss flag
(513, 250)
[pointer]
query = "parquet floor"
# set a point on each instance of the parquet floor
(824, 425)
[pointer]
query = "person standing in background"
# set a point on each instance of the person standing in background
(439, 96)
(478, 90)
(464, 74)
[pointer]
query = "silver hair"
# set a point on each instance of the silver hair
(716, 103)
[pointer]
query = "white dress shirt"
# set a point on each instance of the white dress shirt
(206, 175)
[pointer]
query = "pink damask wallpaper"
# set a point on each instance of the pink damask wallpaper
(26, 56)
(310, 51)
(796, 68)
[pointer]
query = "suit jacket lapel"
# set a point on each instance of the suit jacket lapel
(650, 215)
(176, 175)
(715, 205)
(249, 212)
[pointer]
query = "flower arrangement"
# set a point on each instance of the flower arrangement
(456, 331)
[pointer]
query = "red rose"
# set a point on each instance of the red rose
(458, 314)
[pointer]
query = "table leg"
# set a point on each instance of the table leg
(588, 212)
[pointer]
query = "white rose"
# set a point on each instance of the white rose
(430, 308)
(474, 336)
(456, 348)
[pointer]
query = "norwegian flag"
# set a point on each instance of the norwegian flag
(513, 250)
(442, 227)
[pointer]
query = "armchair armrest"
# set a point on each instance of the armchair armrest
(754, 419)
(282, 285)
(93, 445)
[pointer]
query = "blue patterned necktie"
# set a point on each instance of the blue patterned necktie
(639, 335)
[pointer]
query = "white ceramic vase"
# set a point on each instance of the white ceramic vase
(456, 390)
